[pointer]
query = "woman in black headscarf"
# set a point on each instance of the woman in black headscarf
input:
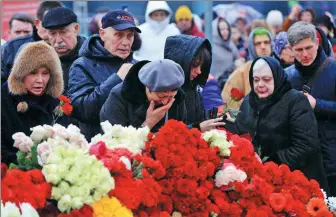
(280, 120)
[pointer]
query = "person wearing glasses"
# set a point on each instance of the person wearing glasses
(149, 96)
(259, 45)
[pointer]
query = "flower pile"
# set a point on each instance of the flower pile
(77, 178)
(23, 210)
(176, 172)
(117, 136)
(31, 187)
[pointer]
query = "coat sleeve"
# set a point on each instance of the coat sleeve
(5, 66)
(114, 110)
(87, 97)
(303, 134)
(286, 24)
(326, 108)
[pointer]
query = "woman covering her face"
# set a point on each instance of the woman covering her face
(29, 97)
(280, 120)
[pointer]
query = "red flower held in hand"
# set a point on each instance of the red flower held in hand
(65, 104)
(236, 94)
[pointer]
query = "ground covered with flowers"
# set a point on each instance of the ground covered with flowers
(131, 172)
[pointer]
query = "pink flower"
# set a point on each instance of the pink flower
(229, 174)
(22, 142)
(43, 151)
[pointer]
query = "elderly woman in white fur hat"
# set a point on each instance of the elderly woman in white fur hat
(29, 97)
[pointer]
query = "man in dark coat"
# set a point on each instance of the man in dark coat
(321, 93)
(149, 96)
(63, 36)
(104, 62)
(280, 120)
(193, 54)
(9, 50)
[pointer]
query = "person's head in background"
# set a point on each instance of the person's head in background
(224, 29)
(235, 34)
(95, 22)
(20, 25)
(241, 24)
(258, 23)
(282, 49)
(159, 15)
(304, 42)
(307, 15)
(43, 8)
(275, 20)
(325, 23)
(183, 18)
(260, 43)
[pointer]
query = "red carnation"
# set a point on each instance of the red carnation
(4, 169)
(277, 202)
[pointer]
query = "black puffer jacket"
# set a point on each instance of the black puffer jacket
(127, 103)
(182, 49)
(283, 126)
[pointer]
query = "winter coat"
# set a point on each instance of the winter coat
(9, 50)
(127, 103)
(283, 126)
(225, 53)
(68, 60)
(154, 34)
(13, 92)
(92, 77)
(240, 77)
(188, 46)
(324, 91)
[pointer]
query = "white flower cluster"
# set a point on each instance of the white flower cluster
(219, 138)
(117, 136)
(332, 204)
(229, 174)
(47, 137)
(11, 210)
(77, 177)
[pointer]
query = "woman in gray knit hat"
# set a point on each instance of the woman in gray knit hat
(29, 97)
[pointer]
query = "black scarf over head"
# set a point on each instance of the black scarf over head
(281, 85)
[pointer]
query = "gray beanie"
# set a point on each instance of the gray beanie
(162, 75)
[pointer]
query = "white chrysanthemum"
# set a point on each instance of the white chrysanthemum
(332, 204)
(117, 136)
(218, 138)
(229, 174)
(11, 210)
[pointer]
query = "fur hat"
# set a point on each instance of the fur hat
(31, 57)
(274, 18)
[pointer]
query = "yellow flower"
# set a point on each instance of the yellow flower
(110, 207)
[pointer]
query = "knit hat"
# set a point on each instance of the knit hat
(280, 42)
(162, 75)
(274, 18)
(183, 12)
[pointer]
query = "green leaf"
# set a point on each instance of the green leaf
(264, 159)
(12, 166)
(21, 157)
(34, 158)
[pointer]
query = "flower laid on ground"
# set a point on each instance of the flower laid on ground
(4, 169)
(64, 107)
(86, 211)
(229, 174)
(110, 207)
(77, 178)
(24, 210)
(219, 139)
(25, 186)
(332, 204)
(117, 136)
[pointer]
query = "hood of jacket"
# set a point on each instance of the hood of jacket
(134, 91)
(155, 6)
(216, 36)
(182, 49)
(251, 48)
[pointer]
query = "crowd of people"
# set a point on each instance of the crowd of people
(143, 75)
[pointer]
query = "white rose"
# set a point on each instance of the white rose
(64, 204)
(60, 131)
(76, 203)
(22, 142)
(39, 133)
(73, 130)
(10, 210)
(49, 129)
(28, 211)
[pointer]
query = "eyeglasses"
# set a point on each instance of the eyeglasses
(256, 44)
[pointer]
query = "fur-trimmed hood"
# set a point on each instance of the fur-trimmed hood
(30, 57)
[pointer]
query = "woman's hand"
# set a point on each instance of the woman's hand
(211, 124)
